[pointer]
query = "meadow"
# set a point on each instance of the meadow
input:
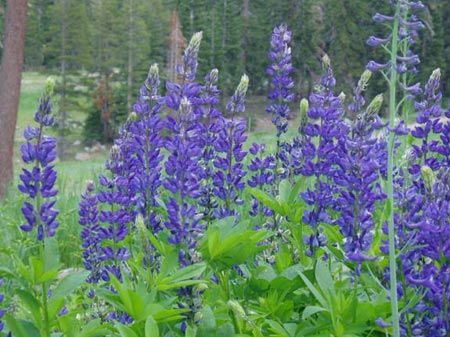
(197, 221)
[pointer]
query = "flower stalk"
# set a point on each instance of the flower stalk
(390, 176)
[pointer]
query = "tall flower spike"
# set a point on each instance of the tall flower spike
(429, 121)
(210, 99)
(229, 175)
(321, 151)
(91, 234)
(38, 183)
(262, 175)
(141, 144)
(190, 62)
(183, 180)
(361, 162)
(280, 71)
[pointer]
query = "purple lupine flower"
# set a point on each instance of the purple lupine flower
(429, 121)
(409, 24)
(292, 156)
(210, 99)
(115, 217)
(38, 183)
(141, 144)
(362, 161)
(130, 189)
(183, 179)
(324, 131)
(2, 310)
(187, 87)
(185, 145)
(280, 71)
(229, 176)
(424, 262)
(261, 170)
(188, 69)
(91, 234)
(423, 233)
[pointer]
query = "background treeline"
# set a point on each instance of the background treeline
(106, 46)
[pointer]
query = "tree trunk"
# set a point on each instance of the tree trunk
(10, 77)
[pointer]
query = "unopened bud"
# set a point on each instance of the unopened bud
(243, 85)
(154, 70)
(214, 76)
(201, 287)
(196, 39)
(236, 308)
(326, 62)
(375, 106)
(342, 97)
(428, 177)
(140, 224)
(49, 86)
(364, 80)
(198, 316)
(436, 75)
(133, 117)
(304, 107)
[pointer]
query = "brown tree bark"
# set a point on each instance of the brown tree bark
(10, 77)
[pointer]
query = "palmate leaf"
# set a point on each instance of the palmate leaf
(227, 244)
(151, 327)
(21, 328)
(182, 277)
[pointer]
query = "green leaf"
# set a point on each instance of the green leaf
(93, 329)
(267, 200)
(311, 310)
(126, 331)
(51, 254)
(313, 290)
(69, 283)
(191, 331)
(324, 278)
(151, 327)
(208, 323)
(21, 328)
(31, 303)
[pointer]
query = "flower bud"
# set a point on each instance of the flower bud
(326, 62)
(342, 97)
(375, 106)
(428, 177)
(133, 117)
(214, 75)
(201, 287)
(198, 316)
(196, 39)
(237, 308)
(140, 224)
(304, 107)
(364, 80)
(243, 85)
(49, 86)
(436, 75)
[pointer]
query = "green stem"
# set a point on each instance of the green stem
(390, 178)
(46, 331)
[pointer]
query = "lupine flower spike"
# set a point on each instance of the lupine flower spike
(38, 183)
(229, 176)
